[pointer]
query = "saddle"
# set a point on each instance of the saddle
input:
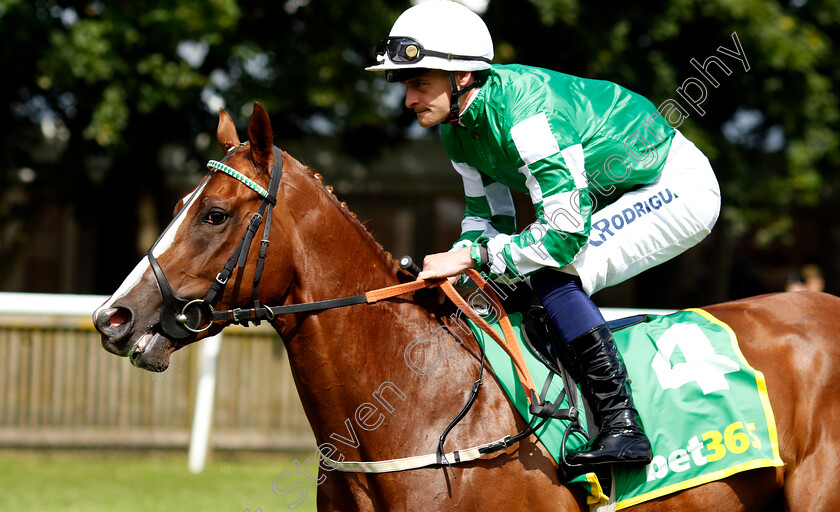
(538, 332)
(543, 341)
(541, 337)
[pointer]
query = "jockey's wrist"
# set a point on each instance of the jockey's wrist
(480, 256)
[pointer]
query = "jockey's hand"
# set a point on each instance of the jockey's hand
(446, 264)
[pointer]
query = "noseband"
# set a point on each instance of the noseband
(182, 318)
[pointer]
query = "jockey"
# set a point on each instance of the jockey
(616, 190)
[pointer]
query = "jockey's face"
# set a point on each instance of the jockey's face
(428, 95)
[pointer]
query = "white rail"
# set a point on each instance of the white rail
(40, 306)
(49, 304)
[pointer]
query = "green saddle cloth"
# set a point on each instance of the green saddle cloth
(704, 409)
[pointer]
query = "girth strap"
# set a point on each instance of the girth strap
(419, 461)
(476, 452)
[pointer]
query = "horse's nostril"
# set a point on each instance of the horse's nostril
(111, 320)
(119, 317)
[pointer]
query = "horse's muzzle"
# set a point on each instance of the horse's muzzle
(114, 324)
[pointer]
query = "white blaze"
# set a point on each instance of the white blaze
(164, 243)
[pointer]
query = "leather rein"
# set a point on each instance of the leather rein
(182, 318)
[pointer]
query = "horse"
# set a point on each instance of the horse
(363, 399)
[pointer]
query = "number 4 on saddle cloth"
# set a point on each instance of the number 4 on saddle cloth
(704, 409)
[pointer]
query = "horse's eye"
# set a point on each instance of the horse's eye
(215, 217)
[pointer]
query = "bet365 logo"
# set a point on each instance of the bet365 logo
(713, 447)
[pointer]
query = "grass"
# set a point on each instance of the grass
(80, 481)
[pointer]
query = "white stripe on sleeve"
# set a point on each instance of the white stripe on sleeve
(473, 187)
(573, 155)
(533, 139)
(499, 199)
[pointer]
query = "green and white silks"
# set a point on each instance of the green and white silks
(611, 196)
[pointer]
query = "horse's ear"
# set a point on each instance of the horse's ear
(259, 133)
(226, 131)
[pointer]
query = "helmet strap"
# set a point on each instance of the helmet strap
(454, 109)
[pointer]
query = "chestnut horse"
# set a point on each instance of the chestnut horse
(348, 359)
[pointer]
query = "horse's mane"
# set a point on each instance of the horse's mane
(386, 257)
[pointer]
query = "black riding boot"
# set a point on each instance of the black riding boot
(606, 385)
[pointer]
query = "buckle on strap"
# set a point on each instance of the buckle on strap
(255, 315)
(498, 445)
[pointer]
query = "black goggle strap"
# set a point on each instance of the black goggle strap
(398, 49)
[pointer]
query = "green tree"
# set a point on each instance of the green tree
(770, 131)
(105, 100)
(110, 105)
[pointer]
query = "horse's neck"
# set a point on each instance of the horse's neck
(343, 358)
(334, 255)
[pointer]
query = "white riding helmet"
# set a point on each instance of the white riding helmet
(441, 35)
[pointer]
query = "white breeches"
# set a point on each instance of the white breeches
(652, 224)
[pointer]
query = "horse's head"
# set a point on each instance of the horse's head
(166, 302)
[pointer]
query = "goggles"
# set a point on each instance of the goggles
(405, 50)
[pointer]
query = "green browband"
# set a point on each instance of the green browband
(213, 164)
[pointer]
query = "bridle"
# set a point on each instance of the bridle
(182, 318)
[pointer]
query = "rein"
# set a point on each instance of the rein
(507, 341)
(182, 318)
